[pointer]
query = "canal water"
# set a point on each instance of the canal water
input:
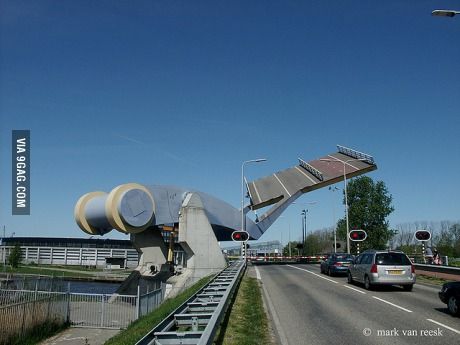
(93, 287)
(58, 285)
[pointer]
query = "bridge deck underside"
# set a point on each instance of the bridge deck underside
(284, 184)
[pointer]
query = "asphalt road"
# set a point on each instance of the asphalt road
(311, 308)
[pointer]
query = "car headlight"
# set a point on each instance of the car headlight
(444, 288)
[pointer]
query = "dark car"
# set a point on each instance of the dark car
(336, 264)
(450, 294)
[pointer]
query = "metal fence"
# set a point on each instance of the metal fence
(21, 310)
(102, 311)
(33, 282)
(151, 300)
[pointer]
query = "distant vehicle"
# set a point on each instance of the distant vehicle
(382, 267)
(450, 295)
(336, 264)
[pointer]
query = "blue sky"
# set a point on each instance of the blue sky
(181, 92)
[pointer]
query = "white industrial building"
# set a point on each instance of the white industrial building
(72, 251)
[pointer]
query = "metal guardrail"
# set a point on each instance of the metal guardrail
(356, 154)
(315, 172)
(197, 320)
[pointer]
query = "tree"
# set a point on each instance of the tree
(369, 205)
(15, 256)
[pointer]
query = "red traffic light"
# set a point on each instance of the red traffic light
(422, 235)
(240, 236)
(358, 235)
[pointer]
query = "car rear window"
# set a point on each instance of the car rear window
(392, 259)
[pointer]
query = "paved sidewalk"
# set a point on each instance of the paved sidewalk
(81, 336)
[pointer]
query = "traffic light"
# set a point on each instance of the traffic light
(422, 235)
(357, 235)
(240, 236)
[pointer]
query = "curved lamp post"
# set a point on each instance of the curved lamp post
(243, 228)
(445, 13)
(345, 189)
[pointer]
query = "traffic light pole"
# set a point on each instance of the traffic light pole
(423, 252)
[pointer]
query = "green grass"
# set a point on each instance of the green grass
(248, 323)
(38, 333)
(430, 280)
(144, 324)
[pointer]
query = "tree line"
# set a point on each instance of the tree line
(369, 205)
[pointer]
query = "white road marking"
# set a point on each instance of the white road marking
(316, 274)
(258, 273)
(274, 315)
(352, 288)
(308, 177)
(282, 185)
(345, 162)
(394, 305)
(257, 192)
(443, 325)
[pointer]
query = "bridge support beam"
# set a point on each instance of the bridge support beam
(202, 251)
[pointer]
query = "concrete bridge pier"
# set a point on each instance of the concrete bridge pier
(202, 251)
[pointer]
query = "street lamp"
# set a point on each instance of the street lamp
(303, 214)
(305, 225)
(242, 191)
(3, 249)
(333, 189)
(444, 13)
(345, 189)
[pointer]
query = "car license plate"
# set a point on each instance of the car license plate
(395, 272)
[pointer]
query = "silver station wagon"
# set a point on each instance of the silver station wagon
(382, 267)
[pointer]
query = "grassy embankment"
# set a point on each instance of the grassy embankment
(247, 323)
(144, 324)
(430, 280)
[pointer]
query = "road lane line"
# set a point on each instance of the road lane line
(313, 181)
(272, 311)
(443, 325)
(258, 273)
(281, 183)
(352, 288)
(316, 274)
(394, 305)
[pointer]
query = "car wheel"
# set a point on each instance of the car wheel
(349, 278)
(367, 283)
(329, 273)
(408, 287)
(453, 305)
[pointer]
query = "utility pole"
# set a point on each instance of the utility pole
(3, 250)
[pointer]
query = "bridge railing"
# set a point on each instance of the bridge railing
(197, 320)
